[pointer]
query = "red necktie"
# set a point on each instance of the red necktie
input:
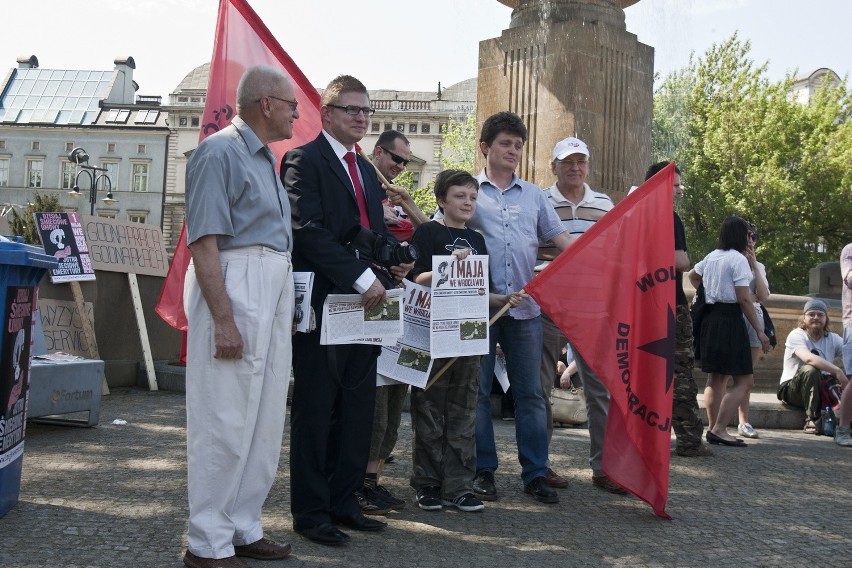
(359, 191)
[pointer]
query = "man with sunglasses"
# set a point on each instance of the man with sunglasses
(332, 192)
(390, 156)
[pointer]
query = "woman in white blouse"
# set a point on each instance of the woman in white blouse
(724, 342)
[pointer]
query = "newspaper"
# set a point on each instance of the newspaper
(303, 317)
(408, 360)
(345, 320)
(459, 306)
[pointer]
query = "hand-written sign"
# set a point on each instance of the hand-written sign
(63, 327)
(122, 246)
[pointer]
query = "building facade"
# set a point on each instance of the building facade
(47, 113)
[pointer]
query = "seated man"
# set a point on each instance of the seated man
(809, 353)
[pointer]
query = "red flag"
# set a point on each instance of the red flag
(242, 41)
(612, 293)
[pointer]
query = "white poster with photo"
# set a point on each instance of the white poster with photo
(408, 360)
(303, 284)
(345, 320)
(459, 322)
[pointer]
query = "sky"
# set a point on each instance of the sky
(400, 44)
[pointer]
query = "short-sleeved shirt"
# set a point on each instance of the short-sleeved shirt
(829, 347)
(233, 192)
(721, 271)
(513, 221)
(680, 244)
(433, 238)
(577, 218)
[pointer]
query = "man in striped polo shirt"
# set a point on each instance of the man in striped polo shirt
(579, 208)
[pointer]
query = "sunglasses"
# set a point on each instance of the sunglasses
(397, 159)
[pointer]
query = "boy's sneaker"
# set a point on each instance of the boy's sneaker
(371, 503)
(747, 431)
(842, 436)
(395, 502)
(467, 502)
(429, 498)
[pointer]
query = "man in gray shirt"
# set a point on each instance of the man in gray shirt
(239, 304)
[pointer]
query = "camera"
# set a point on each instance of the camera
(379, 252)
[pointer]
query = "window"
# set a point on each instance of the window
(67, 171)
(388, 126)
(400, 126)
(183, 99)
(36, 145)
(412, 128)
(136, 217)
(442, 128)
(374, 127)
(35, 170)
(140, 148)
(4, 172)
(415, 180)
(140, 177)
(147, 116)
(424, 129)
(69, 146)
(196, 121)
(2, 144)
(182, 121)
(117, 116)
(107, 213)
(112, 174)
(111, 147)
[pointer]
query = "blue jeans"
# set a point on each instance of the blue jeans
(521, 343)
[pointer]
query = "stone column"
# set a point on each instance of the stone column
(570, 68)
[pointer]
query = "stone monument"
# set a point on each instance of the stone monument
(571, 68)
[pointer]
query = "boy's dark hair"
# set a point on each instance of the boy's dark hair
(507, 122)
(447, 179)
(652, 171)
(733, 234)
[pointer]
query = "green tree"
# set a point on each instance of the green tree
(746, 148)
(458, 151)
(24, 224)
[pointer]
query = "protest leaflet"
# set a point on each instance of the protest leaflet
(303, 285)
(345, 320)
(459, 306)
(409, 361)
(62, 237)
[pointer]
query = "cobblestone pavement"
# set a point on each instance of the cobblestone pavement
(116, 496)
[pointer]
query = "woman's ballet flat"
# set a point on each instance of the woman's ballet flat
(714, 439)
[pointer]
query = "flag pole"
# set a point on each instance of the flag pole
(405, 205)
(449, 363)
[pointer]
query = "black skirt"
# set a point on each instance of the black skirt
(724, 341)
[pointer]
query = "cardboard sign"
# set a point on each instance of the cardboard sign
(63, 326)
(62, 237)
(122, 246)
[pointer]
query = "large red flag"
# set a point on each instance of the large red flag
(612, 293)
(242, 41)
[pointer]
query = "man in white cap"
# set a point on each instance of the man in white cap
(578, 207)
(809, 353)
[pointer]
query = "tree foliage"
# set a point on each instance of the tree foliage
(747, 148)
(458, 151)
(24, 224)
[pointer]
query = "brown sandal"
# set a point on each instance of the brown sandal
(810, 427)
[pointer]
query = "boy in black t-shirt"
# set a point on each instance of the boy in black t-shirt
(443, 417)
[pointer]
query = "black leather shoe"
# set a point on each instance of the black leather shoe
(541, 491)
(484, 486)
(714, 439)
(360, 523)
(325, 533)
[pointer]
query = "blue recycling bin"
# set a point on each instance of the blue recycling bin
(21, 269)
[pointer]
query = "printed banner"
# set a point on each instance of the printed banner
(62, 237)
(459, 325)
(15, 362)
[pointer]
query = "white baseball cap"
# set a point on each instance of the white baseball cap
(565, 148)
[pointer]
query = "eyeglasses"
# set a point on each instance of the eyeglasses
(397, 159)
(573, 163)
(293, 104)
(753, 236)
(353, 110)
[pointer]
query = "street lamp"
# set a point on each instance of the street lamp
(81, 158)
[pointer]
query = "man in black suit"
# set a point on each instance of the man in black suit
(331, 192)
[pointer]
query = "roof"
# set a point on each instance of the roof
(54, 96)
(195, 80)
